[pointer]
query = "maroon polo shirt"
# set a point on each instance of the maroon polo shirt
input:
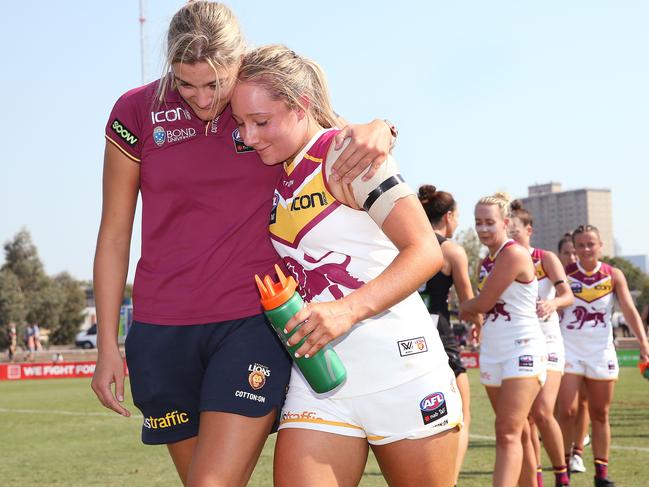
(206, 201)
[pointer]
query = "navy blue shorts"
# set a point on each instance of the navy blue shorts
(176, 372)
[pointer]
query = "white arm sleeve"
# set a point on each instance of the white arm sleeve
(378, 195)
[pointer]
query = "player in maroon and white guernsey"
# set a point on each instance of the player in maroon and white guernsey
(554, 294)
(359, 252)
(512, 346)
(206, 369)
(588, 339)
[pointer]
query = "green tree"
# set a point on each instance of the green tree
(469, 240)
(72, 301)
(638, 281)
(42, 299)
(12, 305)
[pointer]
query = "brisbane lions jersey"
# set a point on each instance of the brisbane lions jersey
(331, 250)
(511, 324)
(588, 320)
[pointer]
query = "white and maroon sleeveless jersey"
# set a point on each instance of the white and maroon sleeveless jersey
(588, 320)
(547, 291)
(512, 322)
(331, 250)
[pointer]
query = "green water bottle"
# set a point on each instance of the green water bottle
(324, 371)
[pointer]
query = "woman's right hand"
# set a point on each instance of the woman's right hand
(110, 370)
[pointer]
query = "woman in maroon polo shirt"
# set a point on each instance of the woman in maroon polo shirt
(198, 337)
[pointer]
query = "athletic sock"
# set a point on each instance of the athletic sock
(561, 475)
(539, 476)
(601, 468)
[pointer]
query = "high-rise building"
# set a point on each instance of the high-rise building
(557, 212)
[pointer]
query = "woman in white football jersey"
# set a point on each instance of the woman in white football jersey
(567, 255)
(554, 294)
(359, 252)
(588, 340)
(512, 348)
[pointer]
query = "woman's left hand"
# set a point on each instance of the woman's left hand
(322, 322)
(369, 148)
(545, 308)
(644, 351)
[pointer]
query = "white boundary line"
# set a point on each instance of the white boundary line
(138, 416)
(613, 447)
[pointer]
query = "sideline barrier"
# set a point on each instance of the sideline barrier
(48, 370)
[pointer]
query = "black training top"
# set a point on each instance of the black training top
(437, 288)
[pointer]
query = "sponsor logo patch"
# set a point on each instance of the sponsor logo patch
(124, 133)
(273, 212)
(257, 376)
(307, 201)
(170, 115)
(412, 346)
(553, 357)
(159, 136)
(576, 287)
(522, 341)
(433, 407)
(172, 418)
(526, 361)
(296, 416)
(250, 396)
(611, 365)
(239, 144)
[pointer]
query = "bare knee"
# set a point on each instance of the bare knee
(599, 414)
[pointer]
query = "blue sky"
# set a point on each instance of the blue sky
(487, 96)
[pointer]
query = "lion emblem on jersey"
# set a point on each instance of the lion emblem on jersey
(582, 315)
(499, 310)
(328, 276)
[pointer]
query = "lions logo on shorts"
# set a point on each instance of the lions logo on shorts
(257, 376)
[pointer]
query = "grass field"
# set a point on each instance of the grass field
(55, 433)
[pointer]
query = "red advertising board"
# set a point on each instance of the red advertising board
(46, 370)
(470, 360)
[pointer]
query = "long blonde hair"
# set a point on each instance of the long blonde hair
(202, 31)
(294, 79)
(500, 199)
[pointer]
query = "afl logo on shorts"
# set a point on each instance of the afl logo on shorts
(159, 136)
(433, 407)
(239, 145)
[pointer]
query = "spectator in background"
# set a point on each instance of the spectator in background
(30, 342)
(13, 340)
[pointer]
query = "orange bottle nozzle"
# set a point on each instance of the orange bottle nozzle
(275, 294)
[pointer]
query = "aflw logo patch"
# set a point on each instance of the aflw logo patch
(125, 134)
(412, 346)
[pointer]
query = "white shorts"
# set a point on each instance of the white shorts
(597, 366)
(520, 367)
(425, 406)
(556, 353)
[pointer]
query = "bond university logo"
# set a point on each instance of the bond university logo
(124, 133)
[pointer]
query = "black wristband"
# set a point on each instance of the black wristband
(560, 281)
